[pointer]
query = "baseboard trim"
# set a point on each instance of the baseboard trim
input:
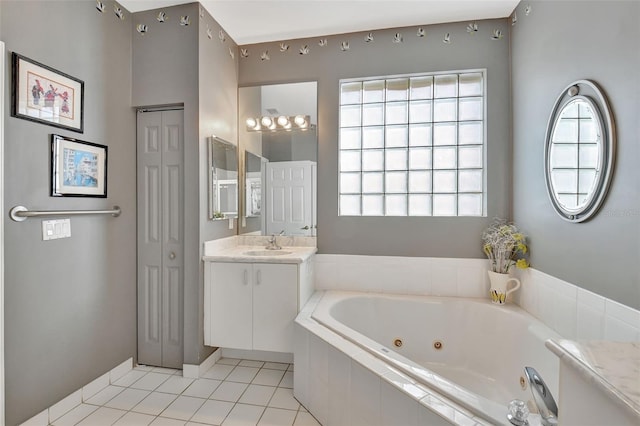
(193, 371)
(68, 403)
(258, 355)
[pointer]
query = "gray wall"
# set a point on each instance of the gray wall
(70, 304)
(174, 64)
(218, 108)
(401, 236)
(551, 48)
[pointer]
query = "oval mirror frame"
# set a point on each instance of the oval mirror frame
(589, 93)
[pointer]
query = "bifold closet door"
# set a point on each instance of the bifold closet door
(160, 187)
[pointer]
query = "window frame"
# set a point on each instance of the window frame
(408, 147)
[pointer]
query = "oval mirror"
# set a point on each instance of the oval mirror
(579, 151)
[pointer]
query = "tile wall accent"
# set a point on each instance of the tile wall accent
(573, 312)
(194, 371)
(63, 406)
(403, 275)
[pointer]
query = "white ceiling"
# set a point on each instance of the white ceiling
(256, 21)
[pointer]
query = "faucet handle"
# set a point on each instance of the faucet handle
(518, 413)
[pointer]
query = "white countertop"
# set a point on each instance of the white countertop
(614, 367)
(238, 254)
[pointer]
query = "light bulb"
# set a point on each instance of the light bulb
(251, 122)
(283, 121)
(301, 121)
(266, 121)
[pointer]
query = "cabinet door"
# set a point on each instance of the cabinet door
(275, 306)
(231, 313)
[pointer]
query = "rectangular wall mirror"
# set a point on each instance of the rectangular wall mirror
(279, 149)
(223, 179)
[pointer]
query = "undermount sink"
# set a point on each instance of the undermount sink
(266, 253)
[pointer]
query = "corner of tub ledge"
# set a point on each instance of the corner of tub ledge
(605, 364)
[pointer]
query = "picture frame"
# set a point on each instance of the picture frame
(42, 94)
(78, 168)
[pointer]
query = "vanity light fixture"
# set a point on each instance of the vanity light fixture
(278, 123)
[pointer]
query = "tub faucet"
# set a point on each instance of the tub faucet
(542, 396)
(272, 242)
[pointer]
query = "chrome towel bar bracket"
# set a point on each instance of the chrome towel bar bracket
(21, 213)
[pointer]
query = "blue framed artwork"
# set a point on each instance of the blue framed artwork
(78, 168)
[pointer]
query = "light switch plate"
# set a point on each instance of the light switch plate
(230, 223)
(55, 229)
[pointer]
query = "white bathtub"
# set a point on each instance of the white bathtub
(466, 351)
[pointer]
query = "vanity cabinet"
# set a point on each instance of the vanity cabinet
(252, 306)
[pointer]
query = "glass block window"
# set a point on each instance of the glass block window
(412, 145)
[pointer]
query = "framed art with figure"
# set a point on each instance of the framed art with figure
(78, 168)
(42, 94)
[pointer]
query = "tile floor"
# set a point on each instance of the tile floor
(232, 393)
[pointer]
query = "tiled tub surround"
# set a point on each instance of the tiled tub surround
(453, 382)
(573, 312)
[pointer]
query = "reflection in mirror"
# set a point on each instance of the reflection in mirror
(579, 151)
(223, 179)
(253, 191)
(277, 134)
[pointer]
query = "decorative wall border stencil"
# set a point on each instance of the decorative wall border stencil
(264, 56)
(222, 36)
(368, 38)
(420, 32)
(322, 42)
(304, 50)
(284, 47)
(397, 38)
(45, 95)
(497, 34)
(244, 53)
(209, 33)
(527, 10)
(514, 18)
(100, 6)
(447, 38)
(472, 28)
(141, 28)
(119, 13)
(185, 21)
(201, 12)
(344, 46)
(78, 168)
(162, 17)
(232, 53)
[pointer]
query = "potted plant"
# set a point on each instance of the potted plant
(505, 246)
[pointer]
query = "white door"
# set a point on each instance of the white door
(289, 204)
(160, 238)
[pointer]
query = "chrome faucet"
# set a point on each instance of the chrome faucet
(273, 243)
(542, 397)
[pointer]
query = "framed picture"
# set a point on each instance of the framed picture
(78, 168)
(40, 93)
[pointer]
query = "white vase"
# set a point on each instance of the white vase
(500, 287)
